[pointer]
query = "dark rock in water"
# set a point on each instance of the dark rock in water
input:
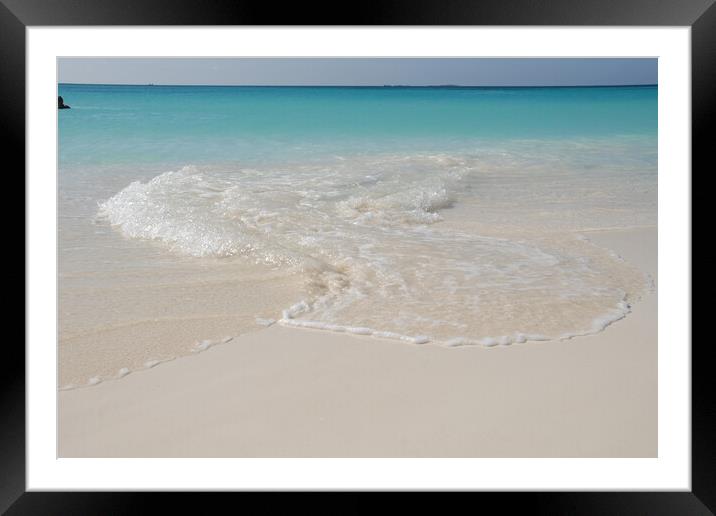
(61, 104)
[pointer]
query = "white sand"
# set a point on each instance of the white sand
(286, 392)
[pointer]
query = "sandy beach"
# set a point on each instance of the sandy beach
(291, 392)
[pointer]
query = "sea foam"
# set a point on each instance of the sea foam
(370, 238)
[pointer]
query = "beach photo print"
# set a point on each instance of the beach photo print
(357, 257)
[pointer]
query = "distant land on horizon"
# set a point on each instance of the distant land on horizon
(360, 86)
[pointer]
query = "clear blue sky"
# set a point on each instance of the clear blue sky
(359, 71)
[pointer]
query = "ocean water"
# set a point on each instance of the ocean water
(443, 216)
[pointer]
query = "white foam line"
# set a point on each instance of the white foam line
(294, 310)
(599, 324)
(149, 364)
(206, 344)
(355, 330)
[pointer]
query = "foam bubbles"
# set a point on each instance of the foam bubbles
(396, 246)
(203, 345)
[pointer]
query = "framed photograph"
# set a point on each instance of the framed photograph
(428, 248)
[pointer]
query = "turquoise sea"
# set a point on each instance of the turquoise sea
(444, 215)
(180, 124)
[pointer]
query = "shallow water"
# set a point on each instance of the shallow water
(189, 215)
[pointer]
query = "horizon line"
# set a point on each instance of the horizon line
(362, 86)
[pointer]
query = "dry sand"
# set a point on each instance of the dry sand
(286, 392)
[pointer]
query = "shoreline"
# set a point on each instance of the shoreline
(583, 396)
(621, 310)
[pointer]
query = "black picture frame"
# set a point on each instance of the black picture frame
(700, 15)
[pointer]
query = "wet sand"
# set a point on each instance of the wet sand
(290, 392)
